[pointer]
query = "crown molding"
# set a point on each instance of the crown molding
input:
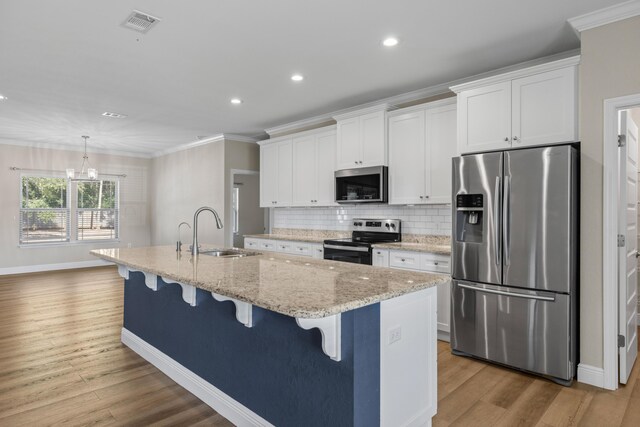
(205, 141)
(605, 16)
(424, 107)
(75, 148)
(316, 131)
(520, 70)
(354, 112)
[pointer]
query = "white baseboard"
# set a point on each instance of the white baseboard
(444, 336)
(232, 410)
(591, 375)
(52, 267)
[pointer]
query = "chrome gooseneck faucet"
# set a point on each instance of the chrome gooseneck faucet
(194, 246)
(179, 242)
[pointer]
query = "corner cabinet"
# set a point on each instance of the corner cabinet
(298, 170)
(422, 142)
(362, 138)
(276, 168)
(529, 107)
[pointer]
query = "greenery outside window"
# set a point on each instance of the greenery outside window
(97, 210)
(49, 215)
(44, 210)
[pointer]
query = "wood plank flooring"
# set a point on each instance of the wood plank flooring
(61, 362)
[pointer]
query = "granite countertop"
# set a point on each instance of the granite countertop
(290, 285)
(291, 238)
(416, 247)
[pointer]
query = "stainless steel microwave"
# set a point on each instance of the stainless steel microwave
(362, 185)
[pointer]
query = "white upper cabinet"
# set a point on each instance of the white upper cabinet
(362, 139)
(298, 170)
(484, 115)
(441, 149)
(276, 168)
(529, 107)
(544, 108)
(407, 158)
(326, 166)
(422, 141)
(314, 158)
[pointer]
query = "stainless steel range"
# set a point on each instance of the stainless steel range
(357, 249)
(514, 264)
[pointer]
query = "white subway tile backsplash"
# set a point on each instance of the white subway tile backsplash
(434, 219)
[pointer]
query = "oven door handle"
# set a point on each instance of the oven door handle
(347, 248)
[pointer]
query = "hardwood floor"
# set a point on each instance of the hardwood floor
(61, 362)
(473, 393)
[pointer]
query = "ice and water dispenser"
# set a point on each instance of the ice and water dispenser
(469, 222)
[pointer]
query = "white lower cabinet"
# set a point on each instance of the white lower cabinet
(427, 262)
(381, 257)
(314, 250)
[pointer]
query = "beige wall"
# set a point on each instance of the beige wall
(609, 68)
(134, 205)
(240, 156)
(183, 182)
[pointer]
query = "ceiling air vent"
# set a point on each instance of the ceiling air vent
(114, 115)
(140, 21)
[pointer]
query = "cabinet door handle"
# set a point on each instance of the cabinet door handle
(435, 263)
(402, 260)
(426, 197)
(356, 162)
(422, 197)
(506, 139)
(515, 138)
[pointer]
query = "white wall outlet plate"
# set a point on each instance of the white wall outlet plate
(395, 334)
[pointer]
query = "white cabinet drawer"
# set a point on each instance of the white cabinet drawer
(250, 243)
(284, 246)
(266, 245)
(317, 251)
(406, 260)
(301, 249)
(435, 263)
(381, 257)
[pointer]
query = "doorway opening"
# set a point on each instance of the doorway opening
(246, 215)
(620, 238)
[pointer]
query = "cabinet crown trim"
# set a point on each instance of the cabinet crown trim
(318, 131)
(373, 109)
(572, 61)
(423, 107)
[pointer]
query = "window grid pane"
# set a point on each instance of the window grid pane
(97, 224)
(44, 225)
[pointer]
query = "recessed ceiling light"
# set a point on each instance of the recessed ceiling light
(236, 101)
(390, 41)
(297, 77)
(114, 115)
(2, 97)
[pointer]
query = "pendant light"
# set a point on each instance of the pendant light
(92, 173)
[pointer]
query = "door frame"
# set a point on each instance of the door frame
(610, 284)
(229, 208)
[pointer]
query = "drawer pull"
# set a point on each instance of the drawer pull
(435, 263)
(402, 259)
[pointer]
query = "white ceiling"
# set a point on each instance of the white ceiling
(64, 63)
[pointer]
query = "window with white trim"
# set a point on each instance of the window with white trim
(44, 210)
(48, 213)
(97, 210)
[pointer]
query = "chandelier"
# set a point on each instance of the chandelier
(91, 173)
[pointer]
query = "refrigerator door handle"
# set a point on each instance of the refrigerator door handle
(496, 214)
(506, 219)
(508, 294)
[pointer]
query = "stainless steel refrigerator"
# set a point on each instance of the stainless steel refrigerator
(514, 259)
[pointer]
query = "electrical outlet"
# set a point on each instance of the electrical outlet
(395, 334)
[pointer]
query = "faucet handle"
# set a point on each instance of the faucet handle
(179, 242)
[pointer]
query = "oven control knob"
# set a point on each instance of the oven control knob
(393, 226)
(386, 225)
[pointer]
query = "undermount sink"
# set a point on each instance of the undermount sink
(227, 253)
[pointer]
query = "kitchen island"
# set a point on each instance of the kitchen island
(271, 339)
